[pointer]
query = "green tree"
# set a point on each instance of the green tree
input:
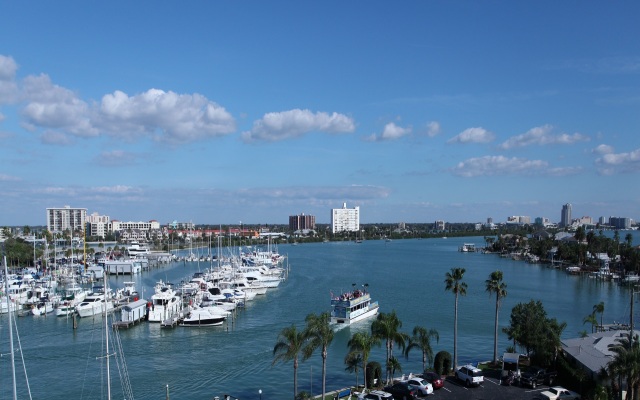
(421, 339)
(626, 364)
(319, 334)
(393, 366)
(495, 285)
(453, 283)
(591, 318)
(353, 361)
(362, 343)
(599, 309)
(387, 327)
(289, 345)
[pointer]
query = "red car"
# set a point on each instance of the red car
(434, 379)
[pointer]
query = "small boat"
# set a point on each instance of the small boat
(95, 303)
(42, 307)
(353, 306)
(468, 248)
(203, 317)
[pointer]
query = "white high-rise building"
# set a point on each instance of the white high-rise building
(61, 219)
(345, 219)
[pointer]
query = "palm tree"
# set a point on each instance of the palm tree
(288, 347)
(626, 364)
(319, 334)
(454, 284)
(421, 339)
(591, 318)
(495, 285)
(386, 327)
(362, 343)
(394, 365)
(353, 361)
(599, 309)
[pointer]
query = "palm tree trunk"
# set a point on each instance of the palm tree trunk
(295, 378)
(495, 333)
(455, 335)
(324, 371)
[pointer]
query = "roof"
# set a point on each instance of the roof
(593, 351)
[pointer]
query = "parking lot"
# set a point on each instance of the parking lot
(489, 390)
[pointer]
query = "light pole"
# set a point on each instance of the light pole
(260, 393)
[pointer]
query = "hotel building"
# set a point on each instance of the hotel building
(345, 219)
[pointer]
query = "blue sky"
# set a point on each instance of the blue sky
(416, 111)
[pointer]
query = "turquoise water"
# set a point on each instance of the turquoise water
(199, 363)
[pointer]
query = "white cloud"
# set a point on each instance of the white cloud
(116, 158)
(498, 165)
(169, 116)
(611, 163)
(295, 123)
(56, 138)
(603, 149)
(52, 106)
(8, 86)
(391, 131)
(8, 178)
(433, 128)
(542, 135)
(473, 135)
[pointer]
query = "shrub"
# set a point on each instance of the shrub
(374, 371)
(442, 363)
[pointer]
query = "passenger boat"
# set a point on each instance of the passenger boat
(352, 306)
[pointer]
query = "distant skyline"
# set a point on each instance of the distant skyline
(255, 111)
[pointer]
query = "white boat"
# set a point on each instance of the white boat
(202, 317)
(353, 306)
(165, 302)
(123, 267)
(73, 295)
(137, 249)
(95, 303)
(42, 307)
(468, 248)
(6, 305)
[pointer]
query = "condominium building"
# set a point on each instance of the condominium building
(302, 222)
(61, 219)
(98, 225)
(142, 226)
(345, 219)
(565, 216)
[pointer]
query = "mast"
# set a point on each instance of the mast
(106, 335)
(9, 312)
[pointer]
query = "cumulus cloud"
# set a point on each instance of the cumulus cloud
(8, 178)
(8, 86)
(433, 129)
(542, 135)
(54, 107)
(277, 126)
(116, 158)
(55, 138)
(610, 163)
(473, 135)
(391, 131)
(169, 116)
(498, 165)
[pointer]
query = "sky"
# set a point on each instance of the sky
(251, 111)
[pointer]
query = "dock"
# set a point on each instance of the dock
(175, 319)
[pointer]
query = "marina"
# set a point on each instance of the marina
(405, 275)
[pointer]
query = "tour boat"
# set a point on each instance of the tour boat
(353, 306)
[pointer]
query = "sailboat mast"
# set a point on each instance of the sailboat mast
(106, 335)
(9, 312)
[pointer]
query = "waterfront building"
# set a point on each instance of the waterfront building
(345, 219)
(518, 220)
(61, 219)
(620, 222)
(565, 216)
(439, 225)
(98, 225)
(302, 222)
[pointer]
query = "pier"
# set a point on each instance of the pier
(175, 319)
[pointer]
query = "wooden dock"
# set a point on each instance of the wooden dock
(175, 319)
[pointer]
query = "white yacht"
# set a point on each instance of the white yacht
(137, 249)
(203, 317)
(165, 302)
(352, 306)
(95, 303)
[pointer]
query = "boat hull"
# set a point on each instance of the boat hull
(346, 321)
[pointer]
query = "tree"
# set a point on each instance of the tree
(599, 309)
(319, 335)
(387, 327)
(393, 366)
(421, 339)
(353, 361)
(495, 285)
(591, 318)
(288, 347)
(362, 343)
(626, 364)
(454, 284)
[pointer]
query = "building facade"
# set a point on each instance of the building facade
(565, 216)
(345, 219)
(61, 219)
(302, 222)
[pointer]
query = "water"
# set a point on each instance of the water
(199, 363)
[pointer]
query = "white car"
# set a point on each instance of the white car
(559, 393)
(375, 395)
(470, 375)
(422, 385)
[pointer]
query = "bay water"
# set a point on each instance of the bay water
(236, 359)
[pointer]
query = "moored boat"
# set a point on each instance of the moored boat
(353, 306)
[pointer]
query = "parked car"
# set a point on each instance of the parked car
(434, 379)
(375, 395)
(402, 391)
(535, 376)
(470, 375)
(421, 384)
(559, 393)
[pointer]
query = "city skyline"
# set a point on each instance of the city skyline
(414, 112)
